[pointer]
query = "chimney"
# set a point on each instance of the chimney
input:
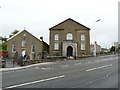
(41, 38)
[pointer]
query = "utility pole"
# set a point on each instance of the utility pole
(94, 53)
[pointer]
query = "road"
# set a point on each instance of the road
(92, 72)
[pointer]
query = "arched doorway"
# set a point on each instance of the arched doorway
(69, 51)
(23, 52)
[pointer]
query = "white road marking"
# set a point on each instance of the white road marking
(98, 67)
(46, 68)
(65, 66)
(77, 63)
(104, 66)
(100, 78)
(108, 74)
(48, 79)
(90, 69)
(36, 67)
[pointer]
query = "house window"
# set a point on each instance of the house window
(56, 37)
(82, 46)
(82, 37)
(69, 36)
(56, 46)
(13, 48)
(24, 42)
(33, 47)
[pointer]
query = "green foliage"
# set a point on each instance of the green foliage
(4, 47)
(118, 48)
(13, 33)
(3, 39)
(0, 46)
(112, 49)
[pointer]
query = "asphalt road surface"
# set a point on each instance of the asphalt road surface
(92, 72)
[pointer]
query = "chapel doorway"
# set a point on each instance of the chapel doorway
(69, 51)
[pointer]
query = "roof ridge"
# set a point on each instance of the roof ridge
(67, 20)
(14, 35)
(21, 32)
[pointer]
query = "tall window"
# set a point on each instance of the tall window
(82, 46)
(33, 47)
(56, 37)
(69, 36)
(24, 41)
(82, 37)
(56, 46)
(13, 48)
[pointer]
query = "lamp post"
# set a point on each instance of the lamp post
(94, 53)
(94, 49)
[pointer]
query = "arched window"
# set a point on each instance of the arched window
(56, 37)
(82, 36)
(13, 48)
(69, 36)
(33, 47)
(24, 41)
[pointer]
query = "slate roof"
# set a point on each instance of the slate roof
(66, 21)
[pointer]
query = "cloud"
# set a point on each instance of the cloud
(39, 15)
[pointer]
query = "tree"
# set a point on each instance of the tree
(118, 49)
(3, 45)
(3, 39)
(13, 33)
(112, 49)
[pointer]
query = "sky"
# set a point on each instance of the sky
(37, 16)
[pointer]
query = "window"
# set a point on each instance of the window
(56, 46)
(82, 46)
(33, 47)
(13, 48)
(56, 37)
(24, 42)
(82, 37)
(69, 36)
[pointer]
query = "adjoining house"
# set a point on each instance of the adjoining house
(104, 50)
(24, 42)
(69, 38)
(98, 49)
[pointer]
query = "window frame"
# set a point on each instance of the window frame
(56, 46)
(82, 46)
(69, 36)
(23, 43)
(82, 37)
(33, 51)
(56, 37)
(13, 48)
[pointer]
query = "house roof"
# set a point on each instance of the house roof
(21, 32)
(66, 21)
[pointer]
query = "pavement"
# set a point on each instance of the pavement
(9, 66)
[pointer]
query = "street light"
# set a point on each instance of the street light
(94, 53)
